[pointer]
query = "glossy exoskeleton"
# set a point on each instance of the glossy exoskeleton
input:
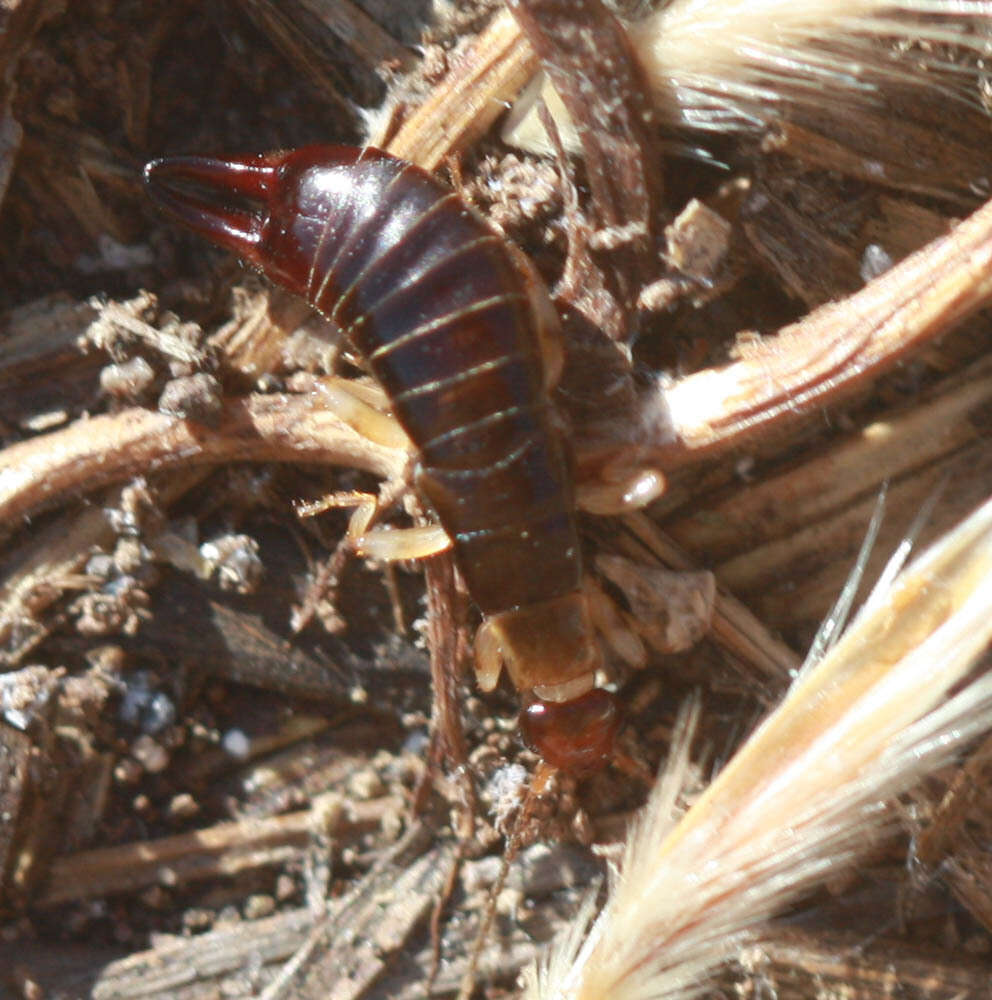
(458, 329)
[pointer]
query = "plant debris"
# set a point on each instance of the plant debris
(218, 766)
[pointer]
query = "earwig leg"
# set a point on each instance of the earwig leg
(367, 507)
(392, 544)
(386, 543)
(488, 657)
(361, 521)
(629, 490)
(367, 392)
(335, 501)
(610, 624)
(362, 408)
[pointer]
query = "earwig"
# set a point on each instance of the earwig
(459, 331)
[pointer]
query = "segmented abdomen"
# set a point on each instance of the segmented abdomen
(438, 307)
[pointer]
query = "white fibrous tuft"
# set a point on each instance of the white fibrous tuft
(891, 701)
(735, 64)
(739, 65)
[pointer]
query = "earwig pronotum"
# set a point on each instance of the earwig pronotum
(458, 329)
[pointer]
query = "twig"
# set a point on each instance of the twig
(106, 449)
(224, 850)
(834, 350)
(473, 95)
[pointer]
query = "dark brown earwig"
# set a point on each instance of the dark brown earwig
(459, 331)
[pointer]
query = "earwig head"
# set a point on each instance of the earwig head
(551, 654)
(257, 206)
(576, 735)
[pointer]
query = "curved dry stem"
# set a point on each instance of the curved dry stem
(98, 451)
(834, 350)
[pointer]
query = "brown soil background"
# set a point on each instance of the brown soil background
(192, 791)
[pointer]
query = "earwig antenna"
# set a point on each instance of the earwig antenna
(535, 787)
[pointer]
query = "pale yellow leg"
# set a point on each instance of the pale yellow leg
(610, 624)
(488, 657)
(392, 544)
(621, 492)
(387, 543)
(366, 409)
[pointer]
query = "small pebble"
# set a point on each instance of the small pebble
(182, 806)
(150, 754)
(259, 905)
(365, 784)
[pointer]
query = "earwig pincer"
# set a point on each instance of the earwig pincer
(459, 331)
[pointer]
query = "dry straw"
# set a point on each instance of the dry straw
(806, 793)
(737, 65)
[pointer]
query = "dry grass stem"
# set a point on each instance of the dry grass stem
(218, 852)
(471, 97)
(805, 793)
(107, 449)
(835, 349)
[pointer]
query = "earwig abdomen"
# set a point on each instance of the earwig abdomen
(458, 330)
(440, 315)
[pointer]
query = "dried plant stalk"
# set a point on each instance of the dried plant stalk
(834, 350)
(470, 99)
(107, 449)
(804, 794)
(934, 430)
(716, 68)
(221, 851)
